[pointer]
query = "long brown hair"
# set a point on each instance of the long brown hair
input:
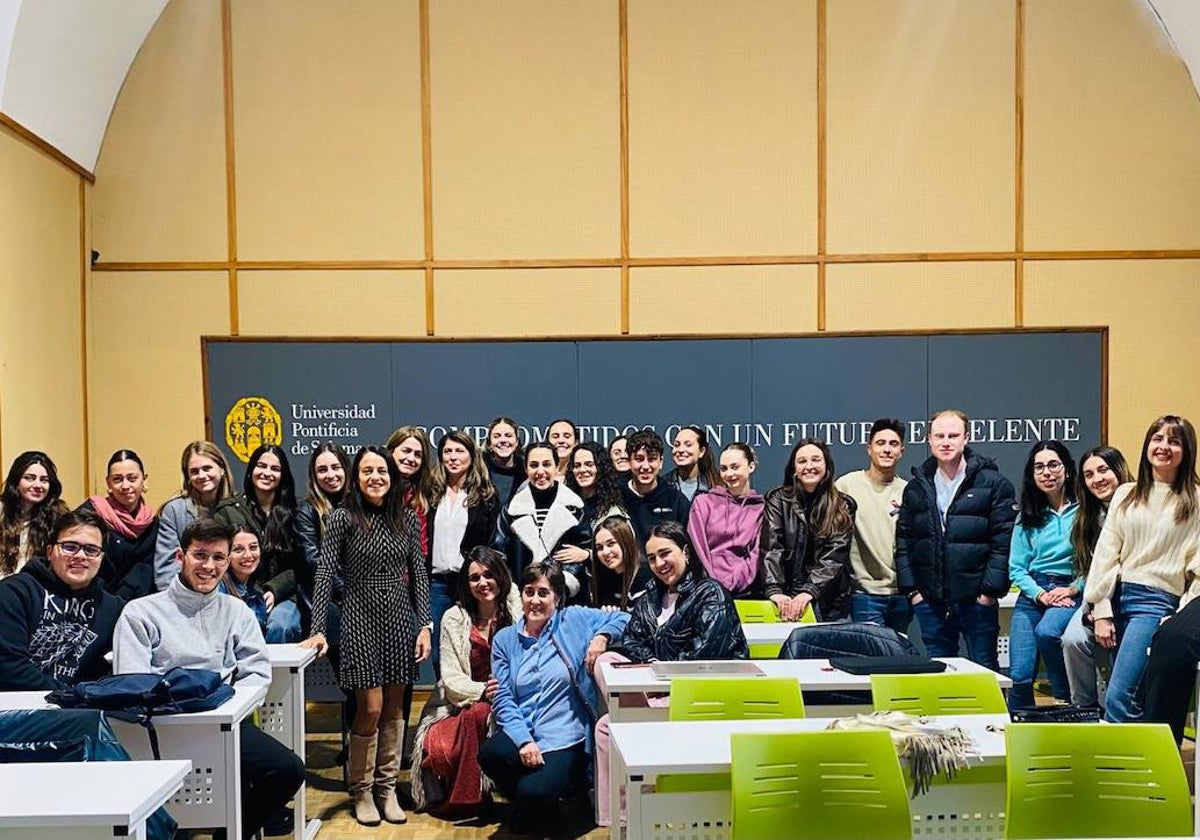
(830, 510)
(631, 558)
(478, 483)
(1184, 485)
(40, 517)
(497, 564)
(420, 484)
(321, 501)
(1089, 519)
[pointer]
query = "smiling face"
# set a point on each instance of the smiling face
(667, 560)
(538, 602)
(947, 439)
(1099, 479)
(409, 454)
(583, 467)
(244, 555)
(809, 466)
(562, 438)
(481, 582)
(204, 476)
(885, 449)
(1049, 472)
(34, 485)
(608, 550)
(203, 564)
(68, 556)
(644, 467)
(502, 441)
(736, 470)
(373, 479)
(619, 456)
(1164, 451)
(330, 475)
(126, 482)
(686, 450)
(456, 460)
(267, 473)
(541, 467)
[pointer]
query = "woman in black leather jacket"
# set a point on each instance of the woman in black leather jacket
(807, 530)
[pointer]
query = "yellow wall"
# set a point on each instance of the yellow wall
(41, 352)
(342, 230)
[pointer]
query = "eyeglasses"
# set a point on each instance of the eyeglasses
(1048, 467)
(204, 557)
(70, 547)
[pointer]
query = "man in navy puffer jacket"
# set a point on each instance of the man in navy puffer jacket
(952, 538)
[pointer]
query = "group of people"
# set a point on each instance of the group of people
(517, 569)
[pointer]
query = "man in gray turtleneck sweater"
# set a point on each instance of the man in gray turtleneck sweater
(192, 625)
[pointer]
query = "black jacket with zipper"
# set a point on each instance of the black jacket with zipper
(796, 560)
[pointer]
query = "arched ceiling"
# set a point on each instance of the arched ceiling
(62, 62)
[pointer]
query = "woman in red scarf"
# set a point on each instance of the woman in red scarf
(128, 566)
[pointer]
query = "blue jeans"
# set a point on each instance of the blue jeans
(283, 624)
(442, 589)
(1138, 610)
(1037, 631)
(894, 611)
(942, 622)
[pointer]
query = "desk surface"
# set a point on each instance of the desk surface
(290, 656)
(813, 674)
(649, 749)
(245, 699)
(116, 793)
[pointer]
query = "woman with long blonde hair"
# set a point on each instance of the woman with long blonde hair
(205, 482)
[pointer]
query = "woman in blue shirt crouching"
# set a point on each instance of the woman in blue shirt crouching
(546, 701)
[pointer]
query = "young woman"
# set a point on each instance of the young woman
(619, 455)
(617, 573)
(806, 537)
(1142, 562)
(127, 569)
(244, 556)
(328, 468)
(683, 615)
(544, 522)
(1101, 471)
(725, 524)
(205, 483)
(455, 721)
(591, 475)
(563, 436)
(410, 448)
(545, 700)
(29, 504)
(372, 543)
(694, 473)
(503, 457)
(1041, 563)
(267, 504)
(464, 509)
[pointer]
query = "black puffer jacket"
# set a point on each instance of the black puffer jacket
(969, 556)
(705, 624)
(796, 560)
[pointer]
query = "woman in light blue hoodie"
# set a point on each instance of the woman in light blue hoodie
(1040, 562)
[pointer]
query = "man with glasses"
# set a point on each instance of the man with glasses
(192, 625)
(56, 620)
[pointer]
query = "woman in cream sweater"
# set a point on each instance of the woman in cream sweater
(1146, 560)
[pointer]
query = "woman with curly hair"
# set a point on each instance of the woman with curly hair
(29, 504)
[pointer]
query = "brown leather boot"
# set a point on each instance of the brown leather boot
(362, 769)
(387, 765)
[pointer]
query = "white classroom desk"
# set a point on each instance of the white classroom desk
(282, 716)
(212, 740)
(85, 800)
(647, 750)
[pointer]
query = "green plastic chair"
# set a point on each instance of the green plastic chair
(702, 698)
(839, 785)
(765, 612)
(938, 694)
(1095, 780)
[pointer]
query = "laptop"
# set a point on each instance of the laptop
(733, 668)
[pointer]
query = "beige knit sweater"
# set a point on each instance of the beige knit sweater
(1143, 544)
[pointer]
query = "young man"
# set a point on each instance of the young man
(192, 625)
(56, 620)
(563, 436)
(647, 499)
(878, 491)
(952, 536)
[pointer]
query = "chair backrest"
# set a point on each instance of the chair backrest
(1095, 780)
(838, 785)
(765, 612)
(938, 694)
(737, 698)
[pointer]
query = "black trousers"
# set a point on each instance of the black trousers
(1170, 675)
(536, 790)
(271, 775)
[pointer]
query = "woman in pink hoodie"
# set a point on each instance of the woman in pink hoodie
(725, 525)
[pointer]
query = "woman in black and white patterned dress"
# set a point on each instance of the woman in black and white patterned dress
(373, 542)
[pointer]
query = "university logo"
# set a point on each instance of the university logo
(252, 422)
